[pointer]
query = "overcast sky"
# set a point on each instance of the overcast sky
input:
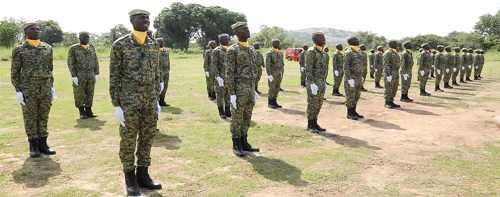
(393, 19)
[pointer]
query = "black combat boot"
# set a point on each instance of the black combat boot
(404, 98)
(475, 78)
(388, 105)
(395, 105)
(34, 148)
(276, 103)
(221, 112)
(350, 114)
(438, 89)
(237, 147)
(83, 115)
(377, 85)
(212, 96)
(163, 103)
(303, 84)
(270, 103)
(336, 92)
(44, 148)
(467, 79)
(363, 89)
(455, 83)
(228, 111)
(90, 114)
(479, 77)
(424, 93)
(447, 85)
(462, 81)
(311, 127)
(316, 125)
(371, 76)
(144, 180)
(246, 146)
(131, 183)
(356, 113)
(256, 90)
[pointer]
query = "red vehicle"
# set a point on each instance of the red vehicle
(293, 54)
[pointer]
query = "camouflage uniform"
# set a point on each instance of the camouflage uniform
(210, 80)
(456, 68)
(378, 66)
(353, 69)
(364, 63)
(391, 68)
(448, 69)
(439, 65)
(241, 72)
(259, 60)
(337, 63)
(274, 67)
(83, 64)
(433, 57)
(464, 62)
(406, 68)
(218, 69)
(302, 62)
(164, 62)
(470, 65)
(31, 74)
(424, 63)
(134, 85)
(371, 61)
(316, 70)
(481, 64)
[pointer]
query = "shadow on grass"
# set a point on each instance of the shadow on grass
(150, 193)
(382, 124)
(172, 110)
(277, 170)
(93, 124)
(416, 111)
(461, 93)
(348, 141)
(428, 104)
(446, 97)
(36, 172)
(331, 102)
(292, 111)
(169, 141)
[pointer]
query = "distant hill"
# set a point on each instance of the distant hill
(333, 36)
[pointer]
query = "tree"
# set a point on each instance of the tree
(117, 32)
(371, 40)
(51, 32)
(266, 35)
(217, 20)
(9, 32)
(70, 38)
(432, 39)
(488, 24)
(464, 40)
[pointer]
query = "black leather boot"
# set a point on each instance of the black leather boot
(336, 92)
(34, 148)
(311, 127)
(363, 89)
(44, 148)
(356, 113)
(467, 79)
(388, 105)
(276, 103)
(395, 105)
(246, 146)
(447, 85)
(454, 83)
(228, 111)
(237, 147)
(144, 180)
(83, 115)
(270, 103)
(462, 81)
(438, 89)
(317, 125)
(221, 112)
(424, 93)
(475, 78)
(404, 98)
(377, 85)
(350, 114)
(163, 103)
(131, 184)
(90, 114)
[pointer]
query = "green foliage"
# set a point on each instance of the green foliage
(116, 32)
(266, 35)
(51, 32)
(464, 40)
(70, 38)
(371, 40)
(432, 39)
(9, 32)
(217, 20)
(487, 27)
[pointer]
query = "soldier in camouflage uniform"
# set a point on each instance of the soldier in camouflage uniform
(481, 64)
(316, 69)
(327, 62)
(424, 63)
(456, 67)
(378, 66)
(450, 63)
(218, 69)
(84, 69)
(439, 65)
(477, 63)
(464, 60)
(164, 61)
(391, 62)
(371, 57)
(274, 68)
(353, 82)
(209, 78)
(259, 60)
(31, 76)
(364, 62)
(469, 65)
(406, 71)
(338, 69)
(241, 72)
(134, 86)
(433, 57)
(302, 65)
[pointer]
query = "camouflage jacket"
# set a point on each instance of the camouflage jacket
(337, 61)
(240, 64)
(82, 61)
(274, 63)
(377, 60)
(471, 59)
(371, 59)
(315, 67)
(364, 59)
(29, 62)
(353, 64)
(450, 61)
(406, 61)
(433, 57)
(439, 61)
(302, 58)
(424, 60)
(259, 60)
(464, 59)
(207, 60)
(164, 62)
(457, 60)
(476, 60)
(391, 62)
(217, 66)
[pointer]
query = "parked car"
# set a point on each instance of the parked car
(293, 54)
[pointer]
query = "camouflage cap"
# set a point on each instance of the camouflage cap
(350, 38)
(149, 31)
(137, 12)
(223, 35)
(238, 24)
(157, 39)
(379, 47)
(276, 40)
(422, 45)
(456, 48)
(256, 43)
(440, 46)
(318, 33)
(25, 25)
(406, 42)
(464, 49)
(83, 32)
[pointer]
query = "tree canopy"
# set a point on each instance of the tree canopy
(51, 32)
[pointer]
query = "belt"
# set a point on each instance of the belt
(38, 80)
(135, 87)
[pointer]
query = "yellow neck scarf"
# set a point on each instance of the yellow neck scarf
(320, 48)
(440, 52)
(85, 46)
(245, 44)
(395, 50)
(34, 43)
(224, 47)
(162, 48)
(355, 48)
(139, 36)
(276, 50)
(379, 52)
(409, 50)
(428, 51)
(340, 51)
(257, 50)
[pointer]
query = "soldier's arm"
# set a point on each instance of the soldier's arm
(310, 60)
(346, 62)
(96, 67)
(71, 61)
(116, 59)
(386, 62)
(206, 62)
(214, 64)
(167, 60)
(269, 63)
(51, 66)
(16, 67)
(301, 59)
(230, 71)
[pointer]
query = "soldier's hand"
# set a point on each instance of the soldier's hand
(256, 97)
(75, 80)
(351, 82)
(162, 86)
(447, 70)
(158, 108)
(207, 74)
(336, 72)
(314, 89)
(371, 66)
(20, 96)
(438, 71)
(470, 66)
(433, 66)
(362, 79)
(463, 67)
(52, 94)
(454, 70)
(220, 81)
(119, 115)
(270, 78)
(302, 69)
(233, 101)
(422, 73)
(405, 76)
(96, 77)
(389, 78)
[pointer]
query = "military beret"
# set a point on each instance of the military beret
(223, 35)
(379, 47)
(362, 45)
(256, 43)
(422, 45)
(464, 49)
(350, 38)
(149, 31)
(481, 50)
(25, 25)
(276, 40)
(477, 50)
(406, 42)
(447, 47)
(238, 24)
(318, 33)
(157, 39)
(456, 48)
(83, 32)
(440, 46)
(137, 12)
(338, 45)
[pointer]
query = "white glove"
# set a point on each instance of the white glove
(233, 101)
(168, 74)
(326, 86)
(438, 71)
(336, 72)
(351, 82)
(477, 67)
(371, 66)
(405, 76)
(162, 86)
(271, 78)
(159, 109)
(21, 98)
(470, 66)
(422, 73)
(220, 81)
(389, 78)
(376, 70)
(96, 77)
(75, 80)
(52, 94)
(432, 66)
(207, 74)
(256, 97)
(314, 89)
(447, 70)
(362, 79)
(454, 69)
(302, 69)
(119, 115)
(463, 67)
(262, 68)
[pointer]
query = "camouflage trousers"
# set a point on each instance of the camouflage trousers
(405, 83)
(468, 71)
(352, 94)
(337, 79)
(372, 70)
(447, 74)
(36, 111)
(314, 102)
(432, 69)
(259, 75)
(274, 87)
(463, 71)
(456, 71)
(365, 72)
(439, 76)
(378, 73)
(245, 101)
(166, 78)
(84, 91)
(423, 79)
(302, 77)
(141, 117)
(222, 96)
(391, 88)
(211, 82)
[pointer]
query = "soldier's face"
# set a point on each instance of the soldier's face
(319, 40)
(140, 22)
(440, 49)
(33, 32)
(256, 46)
(224, 41)
(242, 32)
(84, 39)
(363, 48)
(427, 47)
(161, 43)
